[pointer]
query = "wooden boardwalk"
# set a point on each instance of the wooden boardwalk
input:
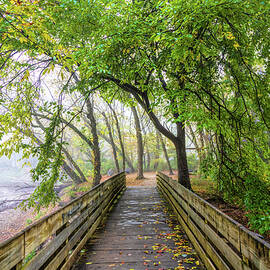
(140, 234)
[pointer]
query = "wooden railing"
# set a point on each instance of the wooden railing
(54, 241)
(221, 242)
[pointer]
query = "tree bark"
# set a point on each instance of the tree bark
(75, 165)
(139, 143)
(180, 146)
(112, 143)
(68, 170)
(157, 152)
(148, 159)
(128, 161)
(120, 138)
(165, 153)
(95, 142)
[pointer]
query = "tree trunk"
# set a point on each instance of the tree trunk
(180, 146)
(165, 153)
(75, 165)
(139, 143)
(148, 159)
(112, 143)
(128, 161)
(68, 170)
(96, 151)
(179, 140)
(157, 152)
(120, 138)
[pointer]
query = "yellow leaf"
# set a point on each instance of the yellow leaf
(230, 35)
(62, 75)
(26, 75)
(236, 45)
(46, 37)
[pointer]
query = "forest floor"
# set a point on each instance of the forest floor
(14, 220)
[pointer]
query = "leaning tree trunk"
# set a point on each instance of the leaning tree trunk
(120, 138)
(139, 143)
(70, 172)
(112, 143)
(95, 147)
(66, 168)
(75, 165)
(165, 153)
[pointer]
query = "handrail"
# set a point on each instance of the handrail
(221, 242)
(54, 240)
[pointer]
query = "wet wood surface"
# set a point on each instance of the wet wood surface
(140, 234)
(54, 241)
(221, 242)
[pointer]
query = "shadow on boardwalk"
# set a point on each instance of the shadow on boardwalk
(140, 234)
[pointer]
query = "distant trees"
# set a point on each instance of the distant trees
(109, 131)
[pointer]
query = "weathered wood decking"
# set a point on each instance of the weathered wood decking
(221, 242)
(139, 235)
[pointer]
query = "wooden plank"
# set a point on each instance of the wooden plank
(221, 222)
(44, 255)
(255, 250)
(201, 252)
(108, 194)
(58, 259)
(219, 242)
(49, 225)
(12, 252)
(196, 237)
(39, 232)
(72, 257)
(210, 251)
(178, 207)
(125, 219)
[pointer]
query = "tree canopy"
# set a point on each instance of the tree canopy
(201, 62)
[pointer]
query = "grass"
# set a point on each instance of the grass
(73, 191)
(39, 215)
(204, 187)
(29, 221)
